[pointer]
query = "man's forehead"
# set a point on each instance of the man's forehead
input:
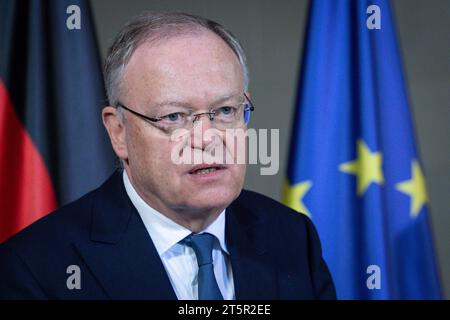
(184, 71)
(185, 49)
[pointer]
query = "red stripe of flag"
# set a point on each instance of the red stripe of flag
(26, 190)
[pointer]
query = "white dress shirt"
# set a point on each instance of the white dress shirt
(179, 260)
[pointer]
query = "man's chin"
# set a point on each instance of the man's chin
(213, 198)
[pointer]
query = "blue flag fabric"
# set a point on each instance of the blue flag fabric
(354, 166)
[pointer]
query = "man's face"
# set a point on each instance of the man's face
(197, 71)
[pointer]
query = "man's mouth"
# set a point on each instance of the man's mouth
(205, 169)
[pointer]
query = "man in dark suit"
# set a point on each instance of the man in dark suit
(161, 228)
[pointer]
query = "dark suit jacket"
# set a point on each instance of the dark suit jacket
(275, 252)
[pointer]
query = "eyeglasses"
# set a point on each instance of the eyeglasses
(222, 118)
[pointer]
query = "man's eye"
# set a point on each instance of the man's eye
(173, 117)
(226, 110)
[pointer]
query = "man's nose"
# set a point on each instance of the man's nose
(201, 124)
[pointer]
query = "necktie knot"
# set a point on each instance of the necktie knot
(202, 244)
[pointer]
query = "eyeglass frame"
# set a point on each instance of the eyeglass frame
(195, 116)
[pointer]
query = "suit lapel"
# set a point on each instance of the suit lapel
(246, 236)
(122, 257)
(120, 253)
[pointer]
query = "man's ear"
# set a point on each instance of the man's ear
(116, 131)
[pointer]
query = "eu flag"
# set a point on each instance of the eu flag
(53, 147)
(354, 167)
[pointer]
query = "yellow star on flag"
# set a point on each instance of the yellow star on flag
(293, 196)
(367, 167)
(415, 188)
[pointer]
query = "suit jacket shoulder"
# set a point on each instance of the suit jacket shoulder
(290, 244)
(33, 257)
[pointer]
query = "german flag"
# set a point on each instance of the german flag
(53, 147)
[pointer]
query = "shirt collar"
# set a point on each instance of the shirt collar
(164, 232)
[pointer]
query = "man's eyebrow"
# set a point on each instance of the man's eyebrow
(225, 98)
(170, 103)
(182, 104)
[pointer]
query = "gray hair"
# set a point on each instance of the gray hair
(151, 27)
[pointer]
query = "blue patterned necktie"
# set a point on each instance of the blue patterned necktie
(202, 244)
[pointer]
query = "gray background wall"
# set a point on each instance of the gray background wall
(272, 33)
